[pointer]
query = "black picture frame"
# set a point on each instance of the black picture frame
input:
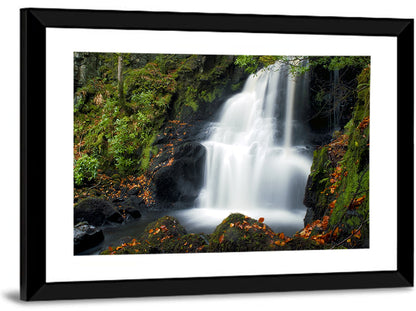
(34, 23)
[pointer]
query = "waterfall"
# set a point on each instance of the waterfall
(289, 112)
(255, 164)
(250, 167)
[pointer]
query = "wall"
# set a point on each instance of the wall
(384, 299)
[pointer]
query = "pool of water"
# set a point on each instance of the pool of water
(198, 220)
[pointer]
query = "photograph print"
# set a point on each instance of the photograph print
(178, 153)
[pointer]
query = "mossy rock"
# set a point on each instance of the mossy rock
(298, 243)
(350, 209)
(163, 234)
(239, 233)
(160, 236)
(191, 243)
(317, 182)
(131, 248)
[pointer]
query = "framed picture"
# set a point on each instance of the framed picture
(186, 153)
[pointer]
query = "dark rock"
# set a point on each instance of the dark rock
(310, 198)
(134, 191)
(182, 180)
(309, 216)
(115, 217)
(135, 202)
(133, 212)
(131, 203)
(132, 206)
(116, 200)
(165, 185)
(314, 198)
(86, 236)
(96, 212)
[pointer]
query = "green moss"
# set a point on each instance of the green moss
(160, 236)
(209, 97)
(321, 170)
(239, 233)
(191, 243)
(147, 152)
(190, 99)
(193, 105)
(356, 161)
(356, 184)
(237, 86)
(298, 243)
(350, 211)
(320, 163)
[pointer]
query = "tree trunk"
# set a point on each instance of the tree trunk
(122, 100)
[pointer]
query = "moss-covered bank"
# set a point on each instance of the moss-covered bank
(337, 191)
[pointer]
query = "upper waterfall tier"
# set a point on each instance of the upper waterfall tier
(250, 164)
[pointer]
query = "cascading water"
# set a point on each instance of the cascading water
(251, 167)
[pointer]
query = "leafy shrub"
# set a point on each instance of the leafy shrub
(124, 143)
(85, 169)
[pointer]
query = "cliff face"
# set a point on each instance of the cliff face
(337, 191)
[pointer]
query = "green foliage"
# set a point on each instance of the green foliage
(156, 88)
(85, 169)
(111, 133)
(191, 98)
(297, 64)
(340, 62)
(250, 63)
(128, 136)
(150, 77)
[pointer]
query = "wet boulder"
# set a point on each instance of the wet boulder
(239, 233)
(131, 206)
(86, 236)
(163, 234)
(160, 236)
(180, 179)
(96, 212)
(191, 243)
(299, 243)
